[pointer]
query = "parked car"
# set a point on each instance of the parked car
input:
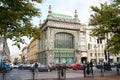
(42, 68)
(99, 65)
(106, 66)
(69, 66)
(24, 66)
(112, 65)
(117, 63)
(15, 66)
(56, 66)
(78, 66)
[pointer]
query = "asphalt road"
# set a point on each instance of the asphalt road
(17, 74)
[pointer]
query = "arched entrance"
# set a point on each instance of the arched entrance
(83, 57)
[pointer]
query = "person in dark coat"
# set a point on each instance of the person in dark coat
(36, 67)
(88, 68)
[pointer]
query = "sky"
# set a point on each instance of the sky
(67, 7)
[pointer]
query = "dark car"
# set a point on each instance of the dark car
(99, 65)
(117, 64)
(44, 68)
(112, 65)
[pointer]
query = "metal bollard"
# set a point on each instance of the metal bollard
(88, 69)
(101, 70)
(3, 74)
(58, 72)
(65, 73)
(117, 69)
(91, 65)
(33, 73)
(84, 71)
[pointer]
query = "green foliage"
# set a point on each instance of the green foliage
(15, 20)
(106, 18)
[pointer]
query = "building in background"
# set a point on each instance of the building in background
(4, 49)
(24, 54)
(95, 47)
(33, 51)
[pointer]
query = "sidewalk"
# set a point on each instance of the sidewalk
(113, 77)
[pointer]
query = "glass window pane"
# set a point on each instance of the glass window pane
(63, 40)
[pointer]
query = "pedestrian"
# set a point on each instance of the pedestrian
(36, 67)
(50, 66)
(88, 68)
(62, 72)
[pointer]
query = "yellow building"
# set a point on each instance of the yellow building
(32, 50)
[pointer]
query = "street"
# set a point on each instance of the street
(17, 74)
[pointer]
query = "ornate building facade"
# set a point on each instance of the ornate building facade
(64, 40)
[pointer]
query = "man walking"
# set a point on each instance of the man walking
(36, 67)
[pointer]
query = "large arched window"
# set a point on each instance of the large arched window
(63, 40)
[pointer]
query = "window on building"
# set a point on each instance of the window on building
(88, 46)
(99, 41)
(99, 54)
(63, 40)
(91, 54)
(95, 54)
(90, 39)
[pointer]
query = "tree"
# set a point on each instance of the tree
(16, 61)
(106, 18)
(15, 20)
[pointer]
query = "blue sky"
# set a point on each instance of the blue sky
(63, 7)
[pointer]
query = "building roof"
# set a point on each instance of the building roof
(63, 16)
